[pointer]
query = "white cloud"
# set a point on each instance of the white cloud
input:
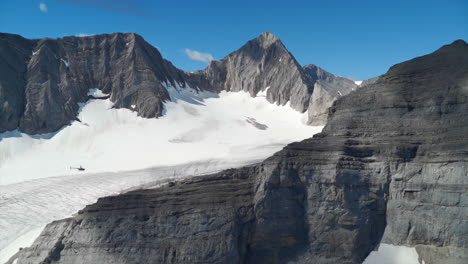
(43, 7)
(83, 34)
(199, 56)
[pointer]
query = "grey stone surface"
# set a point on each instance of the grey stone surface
(327, 88)
(369, 81)
(413, 120)
(43, 80)
(390, 166)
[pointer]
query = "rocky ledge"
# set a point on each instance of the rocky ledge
(390, 166)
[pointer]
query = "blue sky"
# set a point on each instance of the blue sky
(358, 39)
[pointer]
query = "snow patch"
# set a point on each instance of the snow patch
(133, 106)
(82, 35)
(358, 82)
(96, 93)
(391, 254)
(263, 93)
(65, 62)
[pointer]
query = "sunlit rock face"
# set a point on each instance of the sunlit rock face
(261, 64)
(327, 88)
(264, 64)
(390, 166)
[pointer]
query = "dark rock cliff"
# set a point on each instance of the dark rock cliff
(391, 165)
(43, 80)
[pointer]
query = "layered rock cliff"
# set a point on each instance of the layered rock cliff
(391, 165)
(43, 80)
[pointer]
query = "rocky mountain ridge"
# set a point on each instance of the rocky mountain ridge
(43, 80)
(390, 166)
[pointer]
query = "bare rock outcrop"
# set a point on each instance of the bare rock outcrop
(327, 88)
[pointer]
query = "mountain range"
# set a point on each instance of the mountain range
(43, 80)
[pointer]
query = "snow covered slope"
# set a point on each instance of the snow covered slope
(200, 132)
(196, 126)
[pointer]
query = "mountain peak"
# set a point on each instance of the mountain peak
(267, 33)
(444, 60)
(459, 42)
(455, 46)
(267, 38)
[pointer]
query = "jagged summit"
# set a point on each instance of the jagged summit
(267, 38)
(263, 63)
(267, 33)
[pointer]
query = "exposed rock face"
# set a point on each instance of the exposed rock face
(327, 88)
(43, 80)
(14, 53)
(391, 165)
(262, 63)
